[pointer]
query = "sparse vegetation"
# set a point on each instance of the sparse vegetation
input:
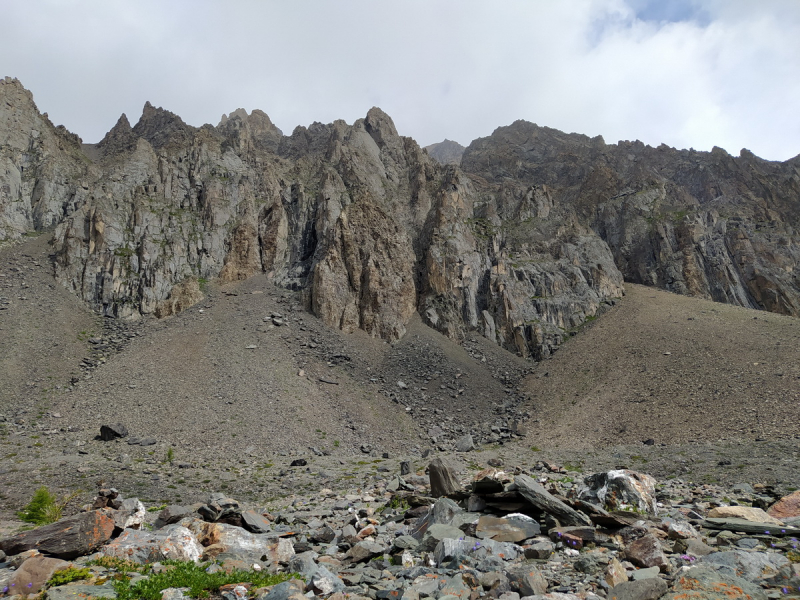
(197, 577)
(68, 575)
(44, 507)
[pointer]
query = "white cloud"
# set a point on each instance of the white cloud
(719, 72)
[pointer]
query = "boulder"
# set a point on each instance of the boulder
(741, 563)
(509, 529)
(621, 490)
(443, 478)
(82, 591)
(527, 580)
(535, 493)
(68, 538)
(171, 514)
(615, 573)
(748, 513)
(647, 552)
(254, 522)
(130, 515)
(113, 432)
(645, 589)
(787, 507)
(173, 542)
(34, 573)
(707, 584)
(365, 550)
(465, 443)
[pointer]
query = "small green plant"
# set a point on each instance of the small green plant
(399, 504)
(158, 508)
(202, 282)
(196, 577)
(170, 455)
(44, 507)
(793, 555)
(68, 575)
(535, 449)
(123, 252)
(335, 443)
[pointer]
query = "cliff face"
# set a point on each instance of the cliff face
(43, 173)
(705, 224)
(524, 244)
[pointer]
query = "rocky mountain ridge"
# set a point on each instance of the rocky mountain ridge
(527, 240)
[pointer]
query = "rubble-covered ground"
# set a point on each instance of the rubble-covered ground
(248, 396)
(504, 532)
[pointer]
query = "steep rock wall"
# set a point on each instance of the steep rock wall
(700, 223)
(526, 242)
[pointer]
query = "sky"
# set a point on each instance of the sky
(688, 73)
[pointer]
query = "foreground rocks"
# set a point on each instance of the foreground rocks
(504, 534)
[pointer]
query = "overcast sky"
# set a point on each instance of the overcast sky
(689, 73)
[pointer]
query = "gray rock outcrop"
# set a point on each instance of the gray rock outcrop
(524, 243)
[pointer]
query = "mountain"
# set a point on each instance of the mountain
(533, 234)
(447, 152)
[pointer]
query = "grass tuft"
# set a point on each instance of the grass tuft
(194, 576)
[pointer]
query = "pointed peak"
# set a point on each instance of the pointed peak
(380, 126)
(120, 138)
(123, 123)
(161, 127)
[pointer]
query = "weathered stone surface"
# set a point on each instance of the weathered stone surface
(691, 547)
(647, 552)
(81, 591)
(451, 548)
(436, 533)
(699, 583)
(621, 490)
(787, 507)
(130, 515)
(541, 550)
(465, 443)
(255, 522)
(171, 514)
(288, 590)
(748, 513)
(615, 573)
(666, 214)
(324, 582)
(365, 550)
(535, 493)
(527, 580)
(507, 529)
(678, 530)
(749, 565)
(646, 589)
(173, 542)
(112, 432)
(443, 478)
(68, 538)
(746, 526)
(34, 573)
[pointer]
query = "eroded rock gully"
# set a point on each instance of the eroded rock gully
(527, 240)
